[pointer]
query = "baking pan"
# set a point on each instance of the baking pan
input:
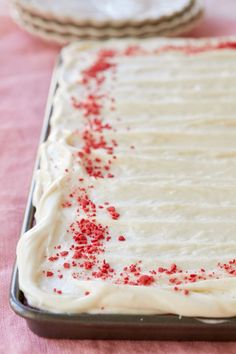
(100, 326)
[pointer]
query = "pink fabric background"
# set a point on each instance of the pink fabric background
(25, 70)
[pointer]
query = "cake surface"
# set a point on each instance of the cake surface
(135, 196)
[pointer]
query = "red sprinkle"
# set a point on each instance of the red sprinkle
(121, 238)
(49, 274)
(52, 258)
(66, 265)
(77, 255)
(66, 205)
(112, 211)
(161, 270)
(64, 253)
(145, 280)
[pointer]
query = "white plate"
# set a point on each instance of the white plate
(105, 12)
(66, 33)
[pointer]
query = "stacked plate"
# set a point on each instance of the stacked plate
(67, 20)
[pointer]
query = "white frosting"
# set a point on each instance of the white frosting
(175, 190)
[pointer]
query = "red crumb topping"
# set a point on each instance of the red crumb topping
(101, 64)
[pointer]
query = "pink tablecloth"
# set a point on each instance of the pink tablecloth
(25, 71)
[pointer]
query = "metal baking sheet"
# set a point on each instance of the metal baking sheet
(100, 326)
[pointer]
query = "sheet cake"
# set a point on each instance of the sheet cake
(135, 195)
